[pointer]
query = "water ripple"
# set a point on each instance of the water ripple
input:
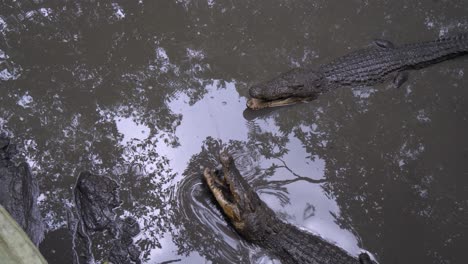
(201, 220)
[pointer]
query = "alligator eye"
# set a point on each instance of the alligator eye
(297, 86)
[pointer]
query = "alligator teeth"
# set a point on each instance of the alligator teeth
(257, 104)
(230, 209)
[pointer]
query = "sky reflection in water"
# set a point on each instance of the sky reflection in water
(149, 92)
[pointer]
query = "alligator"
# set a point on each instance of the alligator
(380, 62)
(96, 197)
(257, 223)
(19, 191)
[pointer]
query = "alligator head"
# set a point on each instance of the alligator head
(257, 223)
(237, 199)
(294, 86)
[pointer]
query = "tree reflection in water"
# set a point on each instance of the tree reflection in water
(394, 160)
(200, 225)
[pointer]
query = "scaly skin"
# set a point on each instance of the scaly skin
(19, 191)
(364, 67)
(257, 223)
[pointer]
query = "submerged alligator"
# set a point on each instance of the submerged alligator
(377, 64)
(257, 223)
(19, 191)
(96, 197)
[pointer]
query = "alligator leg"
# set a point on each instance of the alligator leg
(400, 78)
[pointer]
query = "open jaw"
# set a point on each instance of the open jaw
(257, 104)
(224, 193)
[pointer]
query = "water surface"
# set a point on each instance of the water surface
(149, 92)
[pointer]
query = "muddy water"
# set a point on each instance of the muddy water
(149, 92)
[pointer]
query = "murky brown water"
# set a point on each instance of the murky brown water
(150, 91)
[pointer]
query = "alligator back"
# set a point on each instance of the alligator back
(374, 65)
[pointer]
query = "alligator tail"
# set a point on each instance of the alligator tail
(455, 43)
(420, 55)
